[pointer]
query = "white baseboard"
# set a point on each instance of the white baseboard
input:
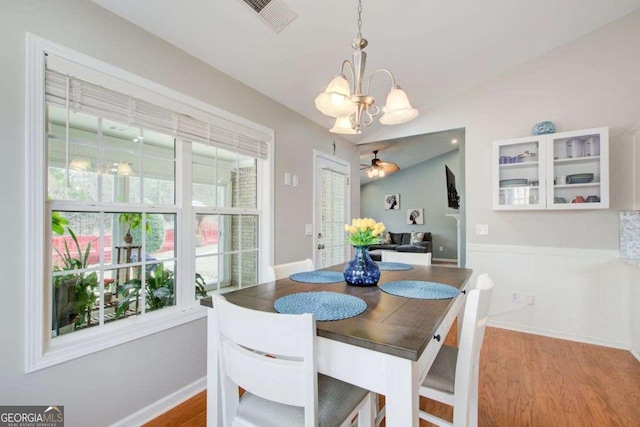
(163, 405)
(636, 354)
(557, 334)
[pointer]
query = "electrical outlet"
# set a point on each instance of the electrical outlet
(516, 297)
(441, 249)
(482, 229)
(531, 300)
(287, 178)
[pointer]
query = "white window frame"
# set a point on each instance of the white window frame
(40, 350)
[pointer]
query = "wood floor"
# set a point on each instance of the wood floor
(525, 380)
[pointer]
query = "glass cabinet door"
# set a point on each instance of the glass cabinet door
(519, 178)
(577, 177)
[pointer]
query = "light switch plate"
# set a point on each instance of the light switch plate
(308, 229)
(482, 229)
(287, 178)
(296, 181)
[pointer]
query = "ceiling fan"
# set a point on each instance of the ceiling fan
(378, 168)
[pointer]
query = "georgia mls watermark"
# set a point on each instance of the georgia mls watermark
(31, 416)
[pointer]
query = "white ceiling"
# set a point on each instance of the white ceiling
(436, 49)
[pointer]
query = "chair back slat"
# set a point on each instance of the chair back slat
(279, 380)
(270, 355)
(285, 270)
(271, 333)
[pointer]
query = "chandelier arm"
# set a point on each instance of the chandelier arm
(351, 69)
(368, 121)
(382, 70)
(373, 111)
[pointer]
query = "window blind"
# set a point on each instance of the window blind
(89, 98)
(334, 196)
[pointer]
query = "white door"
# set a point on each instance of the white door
(332, 205)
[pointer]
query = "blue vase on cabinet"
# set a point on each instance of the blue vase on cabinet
(362, 270)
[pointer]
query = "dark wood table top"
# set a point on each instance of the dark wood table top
(394, 325)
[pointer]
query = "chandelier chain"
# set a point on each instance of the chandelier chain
(359, 18)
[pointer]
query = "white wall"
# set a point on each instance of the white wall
(420, 186)
(590, 82)
(634, 273)
(105, 387)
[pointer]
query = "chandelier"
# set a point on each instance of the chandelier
(354, 108)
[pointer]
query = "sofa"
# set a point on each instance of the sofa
(416, 241)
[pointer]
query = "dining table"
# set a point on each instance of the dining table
(387, 349)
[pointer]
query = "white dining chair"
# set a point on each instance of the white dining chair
(453, 377)
(281, 271)
(271, 356)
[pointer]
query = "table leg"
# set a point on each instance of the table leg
(401, 398)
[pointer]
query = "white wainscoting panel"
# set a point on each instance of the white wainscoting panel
(579, 294)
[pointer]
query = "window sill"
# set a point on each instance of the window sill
(84, 342)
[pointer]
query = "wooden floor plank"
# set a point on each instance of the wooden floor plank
(525, 380)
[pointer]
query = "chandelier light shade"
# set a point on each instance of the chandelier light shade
(398, 110)
(351, 105)
(335, 101)
(343, 125)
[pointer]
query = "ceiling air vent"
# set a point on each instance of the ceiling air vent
(275, 13)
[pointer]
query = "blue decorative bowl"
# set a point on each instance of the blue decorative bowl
(543, 128)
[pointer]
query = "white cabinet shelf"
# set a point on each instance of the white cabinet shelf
(521, 165)
(588, 184)
(586, 159)
(546, 163)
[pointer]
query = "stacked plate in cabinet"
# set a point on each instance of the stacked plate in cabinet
(517, 182)
(579, 178)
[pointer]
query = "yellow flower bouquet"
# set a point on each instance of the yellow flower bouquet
(364, 231)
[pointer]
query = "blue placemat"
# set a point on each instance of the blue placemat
(323, 305)
(318, 277)
(394, 266)
(420, 290)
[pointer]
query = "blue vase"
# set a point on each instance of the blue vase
(362, 270)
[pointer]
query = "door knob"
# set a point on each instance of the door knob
(320, 246)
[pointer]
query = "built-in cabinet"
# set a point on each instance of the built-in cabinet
(568, 170)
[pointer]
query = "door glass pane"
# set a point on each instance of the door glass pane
(334, 196)
(576, 169)
(519, 172)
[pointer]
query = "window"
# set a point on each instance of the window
(226, 243)
(143, 201)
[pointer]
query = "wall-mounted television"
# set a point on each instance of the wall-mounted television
(452, 194)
